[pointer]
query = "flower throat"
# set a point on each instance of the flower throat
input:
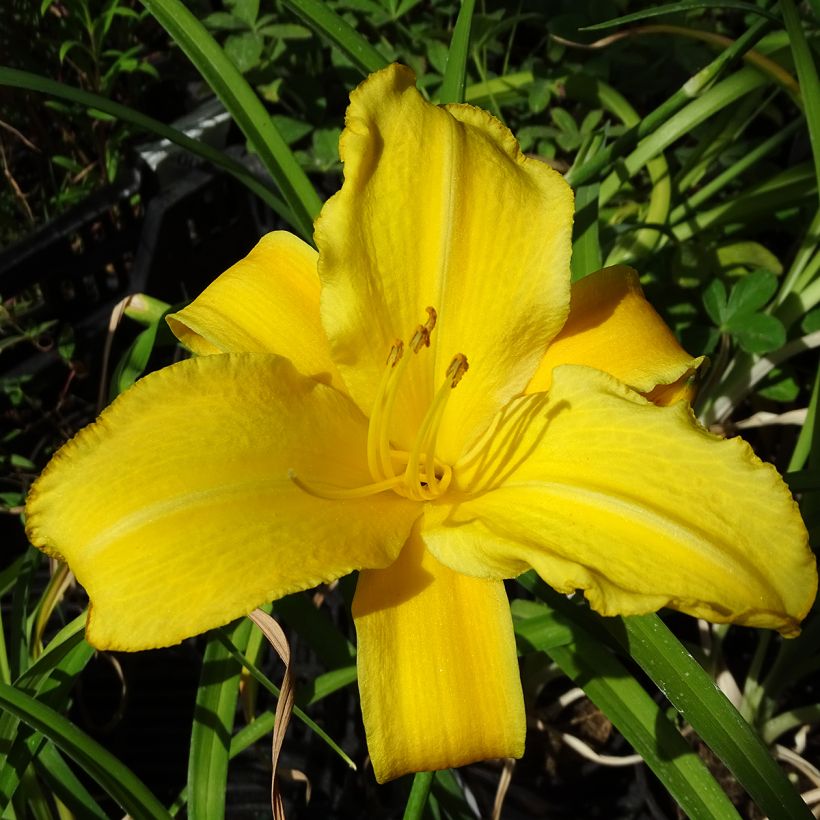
(416, 473)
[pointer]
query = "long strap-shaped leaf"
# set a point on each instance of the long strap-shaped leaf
(807, 75)
(452, 89)
(213, 725)
(244, 106)
(118, 780)
(320, 18)
(609, 685)
(694, 694)
(33, 82)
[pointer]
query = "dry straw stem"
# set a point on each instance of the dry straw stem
(284, 706)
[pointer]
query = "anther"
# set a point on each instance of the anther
(421, 337)
(458, 367)
(395, 354)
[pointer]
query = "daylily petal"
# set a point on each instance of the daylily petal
(175, 509)
(612, 327)
(439, 208)
(267, 302)
(596, 488)
(438, 671)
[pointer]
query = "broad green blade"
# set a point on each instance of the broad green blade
(118, 780)
(240, 99)
(65, 785)
(213, 726)
(318, 17)
(681, 124)
(693, 693)
(807, 76)
(455, 73)
(42, 85)
(51, 679)
(609, 685)
(586, 247)
(694, 86)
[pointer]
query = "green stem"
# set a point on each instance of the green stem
(419, 793)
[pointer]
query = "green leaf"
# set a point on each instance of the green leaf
(538, 96)
(752, 292)
(715, 301)
(222, 21)
(780, 386)
(807, 75)
(42, 85)
(65, 785)
(563, 119)
(291, 130)
(811, 322)
(213, 725)
(134, 361)
(757, 332)
(286, 31)
(244, 106)
(437, 55)
(586, 247)
(452, 89)
(244, 50)
(712, 716)
(747, 255)
(694, 694)
(245, 10)
(320, 18)
(588, 662)
(681, 6)
(118, 780)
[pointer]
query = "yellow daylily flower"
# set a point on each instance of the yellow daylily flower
(425, 400)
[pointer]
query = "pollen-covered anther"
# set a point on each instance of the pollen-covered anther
(395, 354)
(458, 367)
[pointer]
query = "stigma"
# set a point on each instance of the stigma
(416, 473)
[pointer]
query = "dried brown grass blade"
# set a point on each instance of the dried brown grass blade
(503, 784)
(284, 706)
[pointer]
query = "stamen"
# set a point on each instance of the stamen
(421, 475)
(428, 435)
(340, 493)
(378, 416)
(420, 339)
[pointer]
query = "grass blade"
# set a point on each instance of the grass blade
(42, 85)
(608, 684)
(244, 106)
(455, 72)
(586, 247)
(213, 725)
(676, 8)
(118, 780)
(319, 17)
(693, 693)
(694, 86)
(807, 76)
(65, 785)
